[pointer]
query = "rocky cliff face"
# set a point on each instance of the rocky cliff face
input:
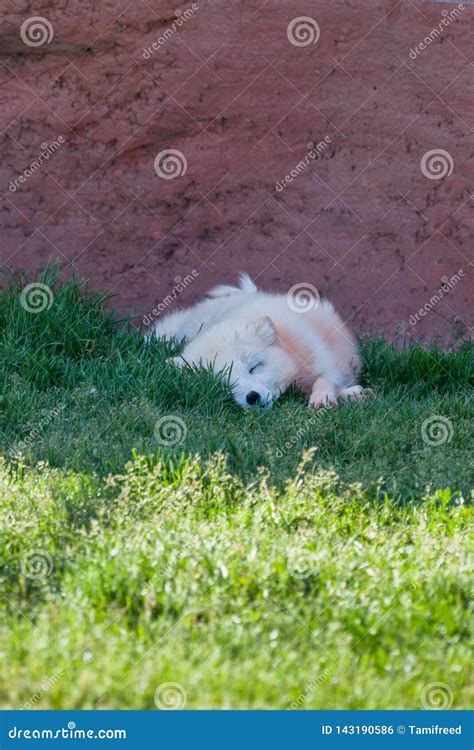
(163, 147)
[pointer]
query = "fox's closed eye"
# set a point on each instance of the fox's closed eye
(252, 369)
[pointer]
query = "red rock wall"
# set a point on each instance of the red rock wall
(227, 88)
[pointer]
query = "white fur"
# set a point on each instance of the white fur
(267, 344)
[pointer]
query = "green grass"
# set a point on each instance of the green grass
(269, 559)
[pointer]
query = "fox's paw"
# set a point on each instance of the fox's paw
(322, 400)
(323, 394)
(356, 393)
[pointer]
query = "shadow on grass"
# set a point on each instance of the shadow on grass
(82, 392)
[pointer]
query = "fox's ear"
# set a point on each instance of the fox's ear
(265, 330)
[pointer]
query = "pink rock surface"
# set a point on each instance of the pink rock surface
(227, 88)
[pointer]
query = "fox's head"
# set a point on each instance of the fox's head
(260, 367)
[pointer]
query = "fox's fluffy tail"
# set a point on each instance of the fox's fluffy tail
(246, 286)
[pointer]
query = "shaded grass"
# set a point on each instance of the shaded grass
(94, 393)
(223, 562)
